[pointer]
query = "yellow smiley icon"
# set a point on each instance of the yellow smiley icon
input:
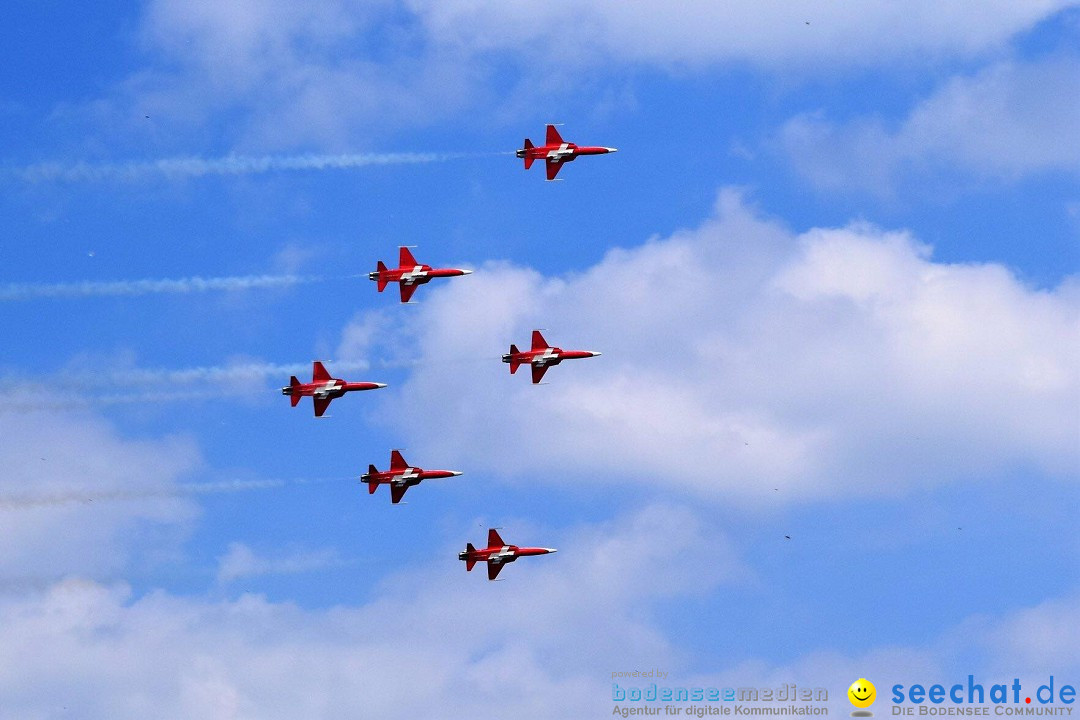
(862, 693)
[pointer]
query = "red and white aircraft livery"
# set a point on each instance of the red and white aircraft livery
(401, 476)
(410, 274)
(542, 356)
(323, 388)
(497, 554)
(555, 151)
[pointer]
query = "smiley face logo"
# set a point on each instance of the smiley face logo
(862, 693)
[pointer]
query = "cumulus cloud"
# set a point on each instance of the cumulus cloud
(1007, 121)
(437, 642)
(298, 76)
(739, 357)
(333, 76)
(1046, 635)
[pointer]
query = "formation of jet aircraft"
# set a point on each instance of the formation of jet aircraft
(497, 554)
(555, 152)
(401, 476)
(541, 356)
(409, 275)
(323, 388)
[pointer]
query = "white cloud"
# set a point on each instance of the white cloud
(1010, 120)
(240, 562)
(55, 464)
(335, 76)
(1046, 635)
(299, 76)
(739, 357)
(437, 642)
(768, 32)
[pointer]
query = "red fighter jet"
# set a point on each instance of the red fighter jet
(401, 476)
(323, 388)
(556, 151)
(497, 554)
(410, 274)
(542, 356)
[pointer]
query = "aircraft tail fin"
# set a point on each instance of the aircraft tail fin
(382, 276)
(514, 364)
(528, 158)
(294, 398)
(470, 559)
(372, 486)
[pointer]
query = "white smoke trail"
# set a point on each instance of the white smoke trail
(225, 373)
(27, 291)
(231, 374)
(29, 501)
(24, 400)
(196, 167)
(81, 390)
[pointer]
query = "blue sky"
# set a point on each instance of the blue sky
(832, 271)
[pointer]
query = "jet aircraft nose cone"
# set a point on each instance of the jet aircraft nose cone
(379, 385)
(551, 550)
(455, 473)
(594, 353)
(612, 149)
(466, 272)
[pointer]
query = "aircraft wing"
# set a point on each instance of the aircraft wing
(494, 569)
(538, 372)
(320, 405)
(553, 168)
(407, 291)
(397, 492)
(494, 540)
